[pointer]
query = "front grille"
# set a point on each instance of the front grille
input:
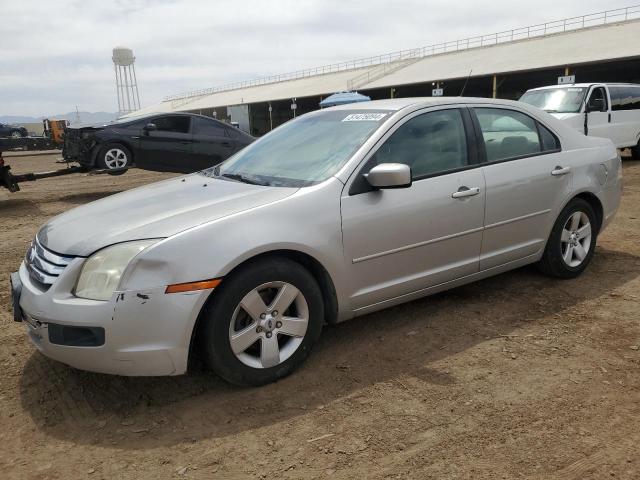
(45, 266)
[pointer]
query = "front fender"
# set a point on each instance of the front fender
(308, 222)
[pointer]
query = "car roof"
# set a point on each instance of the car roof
(133, 118)
(585, 85)
(395, 104)
(138, 118)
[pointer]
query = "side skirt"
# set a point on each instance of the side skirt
(490, 272)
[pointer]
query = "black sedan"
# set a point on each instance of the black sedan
(172, 142)
(12, 131)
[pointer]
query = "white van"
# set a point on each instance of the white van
(610, 110)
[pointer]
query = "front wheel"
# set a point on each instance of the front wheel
(262, 322)
(114, 157)
(572, 241)
(16, 134)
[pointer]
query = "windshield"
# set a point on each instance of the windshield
(304, 151)
(556, 100)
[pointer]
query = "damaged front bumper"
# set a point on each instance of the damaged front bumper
(136, 333)
(79, 145)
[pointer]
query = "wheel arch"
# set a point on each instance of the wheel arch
(317, 270)
(589, 197)
(595, 203)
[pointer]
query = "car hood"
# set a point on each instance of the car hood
(87, 126)
(158, 210)
(564, 116)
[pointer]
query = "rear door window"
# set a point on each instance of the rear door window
(625, 97)
(510, 134)
(232, 133)
(203, 126)
(173, 123)
(548, 140)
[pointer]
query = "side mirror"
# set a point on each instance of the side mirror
(389, 175)
(150, 127)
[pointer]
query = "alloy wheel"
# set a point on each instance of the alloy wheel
(269, 324)
(576, 239)
(115, 158)
(16, 134)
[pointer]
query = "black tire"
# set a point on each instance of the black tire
(214, 330)
(16, 134)
(635, 152)
(552, 262)
(102, 162)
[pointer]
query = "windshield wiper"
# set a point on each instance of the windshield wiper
(241, 178)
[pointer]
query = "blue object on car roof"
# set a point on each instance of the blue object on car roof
(342, 98)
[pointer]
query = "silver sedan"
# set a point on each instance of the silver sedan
(335, 214)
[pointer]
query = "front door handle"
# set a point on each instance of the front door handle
(186, 142)
(465, 192)
(559, 171)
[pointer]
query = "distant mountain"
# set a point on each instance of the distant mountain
(85, 117)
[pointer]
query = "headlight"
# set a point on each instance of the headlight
(101, 272)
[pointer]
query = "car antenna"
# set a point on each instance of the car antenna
(465, 82)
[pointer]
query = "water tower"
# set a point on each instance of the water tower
(126, 83)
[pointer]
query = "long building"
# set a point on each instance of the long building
(601, 47)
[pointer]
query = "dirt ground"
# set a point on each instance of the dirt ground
(518, 376)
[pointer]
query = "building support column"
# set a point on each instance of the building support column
(494, 91)
(393, 91)
(567, 71)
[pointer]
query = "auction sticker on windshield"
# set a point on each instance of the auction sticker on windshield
(364, 117)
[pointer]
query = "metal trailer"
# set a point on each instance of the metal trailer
(27, 143)
(12, 182)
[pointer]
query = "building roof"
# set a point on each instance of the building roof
(608, 42)
(605, 42)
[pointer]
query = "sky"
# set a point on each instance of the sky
(56, 54)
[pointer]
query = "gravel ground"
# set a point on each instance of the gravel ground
(518, 376)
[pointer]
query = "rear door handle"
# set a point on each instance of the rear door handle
(559, 171)
(186, 142)
(466, 192)
(226, 144)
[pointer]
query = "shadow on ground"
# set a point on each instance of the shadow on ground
(141, 413)
(19, 207)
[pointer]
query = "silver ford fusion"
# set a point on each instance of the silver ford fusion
(333, 215)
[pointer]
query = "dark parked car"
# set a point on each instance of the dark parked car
(13, 131)
(171, 142)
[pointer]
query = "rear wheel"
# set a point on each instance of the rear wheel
(16, 134)
(262, 323)
(635, 152)
(572, 241)
(114, 156)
